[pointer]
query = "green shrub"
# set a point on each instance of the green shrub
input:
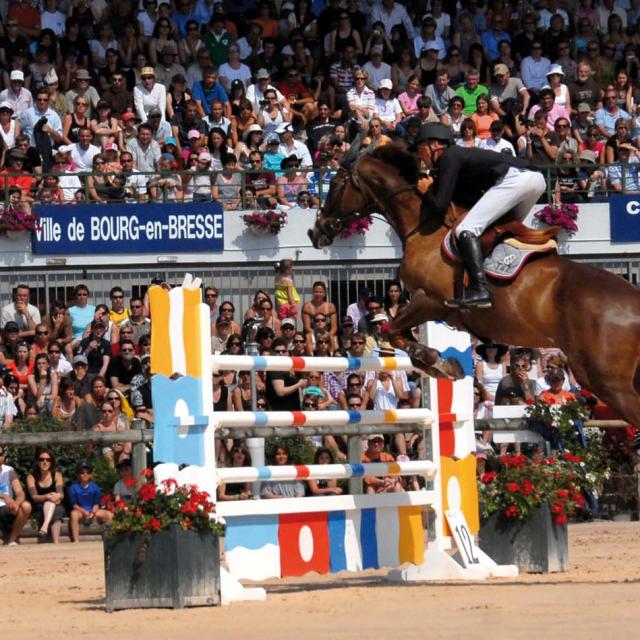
(67, 455)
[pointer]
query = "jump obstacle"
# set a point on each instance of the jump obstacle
(327, 534)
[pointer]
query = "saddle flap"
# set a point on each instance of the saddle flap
(506, 226)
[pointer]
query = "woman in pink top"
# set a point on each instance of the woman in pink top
(408, 99)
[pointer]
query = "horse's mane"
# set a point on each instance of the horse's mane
(397, 155)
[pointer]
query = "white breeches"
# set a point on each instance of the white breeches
(518, 190)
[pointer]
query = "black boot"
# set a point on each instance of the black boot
(477, 293)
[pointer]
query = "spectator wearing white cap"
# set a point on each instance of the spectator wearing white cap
(256, 91)
(387, 107)
(289, 146)
(16, 95)
(376, 69)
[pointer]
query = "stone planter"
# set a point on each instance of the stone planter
(535, 545)
(177, 569)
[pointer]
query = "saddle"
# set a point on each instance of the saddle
(506, 228)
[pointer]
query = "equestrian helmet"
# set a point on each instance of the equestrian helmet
(434, 131)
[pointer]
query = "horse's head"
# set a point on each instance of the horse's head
(345, 203)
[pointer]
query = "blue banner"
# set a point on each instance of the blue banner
(624, 216)
(129, 228)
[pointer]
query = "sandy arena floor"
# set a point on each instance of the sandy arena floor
(58, 592)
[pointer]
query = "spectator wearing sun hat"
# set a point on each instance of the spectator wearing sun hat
(82, 88)
(149, 94)
(290, 146)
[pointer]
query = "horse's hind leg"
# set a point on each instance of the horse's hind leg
(419, 310)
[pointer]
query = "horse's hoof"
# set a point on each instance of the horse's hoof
(453, 369)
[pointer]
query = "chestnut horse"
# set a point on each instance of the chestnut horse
(589, 313)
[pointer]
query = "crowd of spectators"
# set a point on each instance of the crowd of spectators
(175, 101)
(87, 365)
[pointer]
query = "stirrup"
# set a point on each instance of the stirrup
(480, 301)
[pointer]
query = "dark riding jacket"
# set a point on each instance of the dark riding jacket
(463, 176)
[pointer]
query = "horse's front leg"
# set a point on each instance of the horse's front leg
(421, 309)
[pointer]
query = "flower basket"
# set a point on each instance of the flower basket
(526, 504)
(561, 215)
(15, 222)
(161, 548)
(263, 223)
(178, 569)
(535, 544)
(358, 227)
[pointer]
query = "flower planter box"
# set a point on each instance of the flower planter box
(178, 569)
(535, 545)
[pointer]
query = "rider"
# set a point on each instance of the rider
(490, 184)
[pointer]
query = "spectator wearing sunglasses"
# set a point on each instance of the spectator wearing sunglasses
(283, 387)
(227, 310)
(124, 366)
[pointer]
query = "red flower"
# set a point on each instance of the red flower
(129, 483)
(514, 487)
(488, 478)
(550, 400)
(189, 507)
(147, 473)
(511, 511)
(527, 488)
(560, 519)
(148, 492)
(155, 524)
(563, 494)
(557, 507)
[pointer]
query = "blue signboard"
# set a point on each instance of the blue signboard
(129, 228)
(624, 216)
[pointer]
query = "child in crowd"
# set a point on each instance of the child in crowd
(85, 497)
(286, 295)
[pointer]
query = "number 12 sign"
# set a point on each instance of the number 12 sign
(470, 554)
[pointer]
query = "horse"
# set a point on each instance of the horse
(589, 313)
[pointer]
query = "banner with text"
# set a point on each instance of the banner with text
(624, 216)
(129, 228)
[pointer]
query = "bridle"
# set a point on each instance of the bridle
(378, 204)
